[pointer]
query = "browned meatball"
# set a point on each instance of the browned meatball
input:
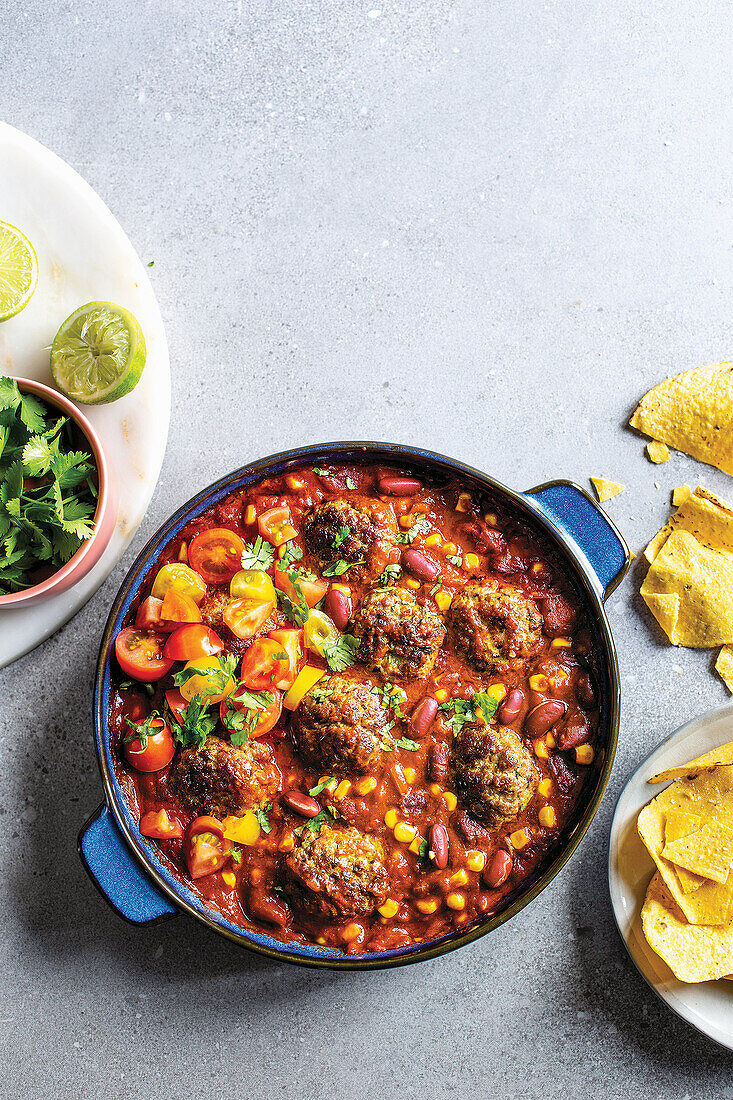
(399, 638)
(340, 872)
(212, 607)
(340, 724)
(339, 530)
(495, 775)
(222, 779)
(494, 624)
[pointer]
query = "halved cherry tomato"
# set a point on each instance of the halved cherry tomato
(157, 824)
(217, 554)
(252, 584)
(245, 618)
(313, 591)
(266, 718)
(292, 643)
(158, 751)
(178, 608)
(192, 641)
(264, 664)
(140, 654)
(276, 525)
(176, 702)
(207, 850)
(207, 683)
(148, 614)
(178, 576)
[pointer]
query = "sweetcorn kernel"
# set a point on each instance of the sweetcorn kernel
(183, 553)
(436, 789)
(475, 860)
(416, 845)
(390, 818)
(294, 482)
(537, 566)
(441, 695)
(404, 832)
(352, 932)
(411, 582)
(547, 817)
(287, 843)
(539, 682)
(230, 879)
(550, 740)
(471, 562)
(410, 774)
(341, 588)
(282, 550)
(450, 800)
(330, 783)
(433, 539)
(365, 785)
(584, 754)
(520, 838)
(561, 643)
(541, 750)
(460, 878)
(490, 518)
(343, 789)
(496, 691)
(464, 502)
(455, 901)
(544, 786)
(450, 548)
(405, 521)
(250, 513)
(389, 908)
(426, 905)
(443, 600)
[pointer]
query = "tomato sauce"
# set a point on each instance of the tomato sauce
(465, 535)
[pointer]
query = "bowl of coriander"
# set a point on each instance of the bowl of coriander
(58, 493)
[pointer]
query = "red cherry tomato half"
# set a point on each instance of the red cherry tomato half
(140, 654)
(158, 751)
(178, 608)
(264, 664)
(206, 848)
(276, 525)
(148, 614)
(266, 718)
(192, 641)
(313, 591)
(292, 642)
(245, 617)
(176, 702)
(216, 554)
(157, 824)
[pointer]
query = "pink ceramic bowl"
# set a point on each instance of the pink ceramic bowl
(105, 516)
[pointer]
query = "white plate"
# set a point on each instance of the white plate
(708, 1006)
(83, 255)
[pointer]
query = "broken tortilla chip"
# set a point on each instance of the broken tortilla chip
(677, 825)
(708, 851)
(689, 590)
(722, 755)
(656, 451)
(706, 516)
(692, 412)
(606, 489)
(694, 953)
(724, 667)
(680, 495)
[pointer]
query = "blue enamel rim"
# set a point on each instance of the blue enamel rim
(405, 457)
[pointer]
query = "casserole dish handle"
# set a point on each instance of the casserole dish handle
(577, 516)
(116, 873)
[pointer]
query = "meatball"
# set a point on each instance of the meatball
(340, 872)
(212, 607)
(494, 624)
(399, 638)
(340, 725)
(495, 775)
(338, 530)
(222, 779)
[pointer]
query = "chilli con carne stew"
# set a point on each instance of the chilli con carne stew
(355, 707)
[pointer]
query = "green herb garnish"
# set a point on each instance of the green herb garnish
(217, 678)
(292, 554)
(313, 825)
(194, 726)
(241, 720)
(321, 786)
(350, 483)
(391, 696)
(261, 813)
(438, 584)
(389, 575)
(407, 743)
(421, 526)
(340, 652)
(481, 706)
(319, 472)
(258, 555)
(456, 559)
(341, 536)
(296, 609)
(338, 568)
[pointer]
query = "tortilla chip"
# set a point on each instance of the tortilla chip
(721, 755)
(724, 666)
(707, 517)
(689, 590)
(694, 953)
(708, 851)
(680, 495)
(711, 902)
(606, 489)
(677, 825)
(657, 452)
(692, 412)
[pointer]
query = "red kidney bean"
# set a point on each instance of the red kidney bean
(511, 706)
(438, 762)
(396, 486)
(586, 691)
(438, 841)
(338, 606)
(420, 566)
(544, 717)
(559, 615)
(498, 868)
(423, 716)
(264, 907)
(574, 733)
(302, 804)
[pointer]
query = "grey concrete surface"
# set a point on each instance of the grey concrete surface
(483, 228)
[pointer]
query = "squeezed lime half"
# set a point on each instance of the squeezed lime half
(18, 271)
(98, 354)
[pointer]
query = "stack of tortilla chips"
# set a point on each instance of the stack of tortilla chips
(688, 830)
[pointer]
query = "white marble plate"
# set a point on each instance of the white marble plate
(708, 1006)
(83, 255)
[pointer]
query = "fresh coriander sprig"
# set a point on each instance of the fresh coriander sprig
(338, 568)
(194, 726)
(258, 555)
(340, 652)
(421, 526)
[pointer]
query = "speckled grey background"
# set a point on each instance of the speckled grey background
(483, 228)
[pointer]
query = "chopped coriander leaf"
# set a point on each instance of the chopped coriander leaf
(321, 786)
(217, 678)
(237, 854)
(125, 685)
(195, 725)
(480, 707)
(338, 568)
(350, 483)
(341, 536)
(407, 743)
(486, 704)
(258, 555)
(292, 553)
(438, 584)
(143, 730)
(455, 559)
(340, 652)
(261, 813)
(392, 697)
(314, 825)
(319, 472)
(390, 575)
(151, 263)
(296, 609)
(319, 693)
(421, 526)
(423, 850)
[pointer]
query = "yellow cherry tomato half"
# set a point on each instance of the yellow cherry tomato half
(252, 584)
(181, 578)
(242, 830)
(208, 682)
(319, 630)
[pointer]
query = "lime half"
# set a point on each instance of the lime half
(98, 354)
(18, 271)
